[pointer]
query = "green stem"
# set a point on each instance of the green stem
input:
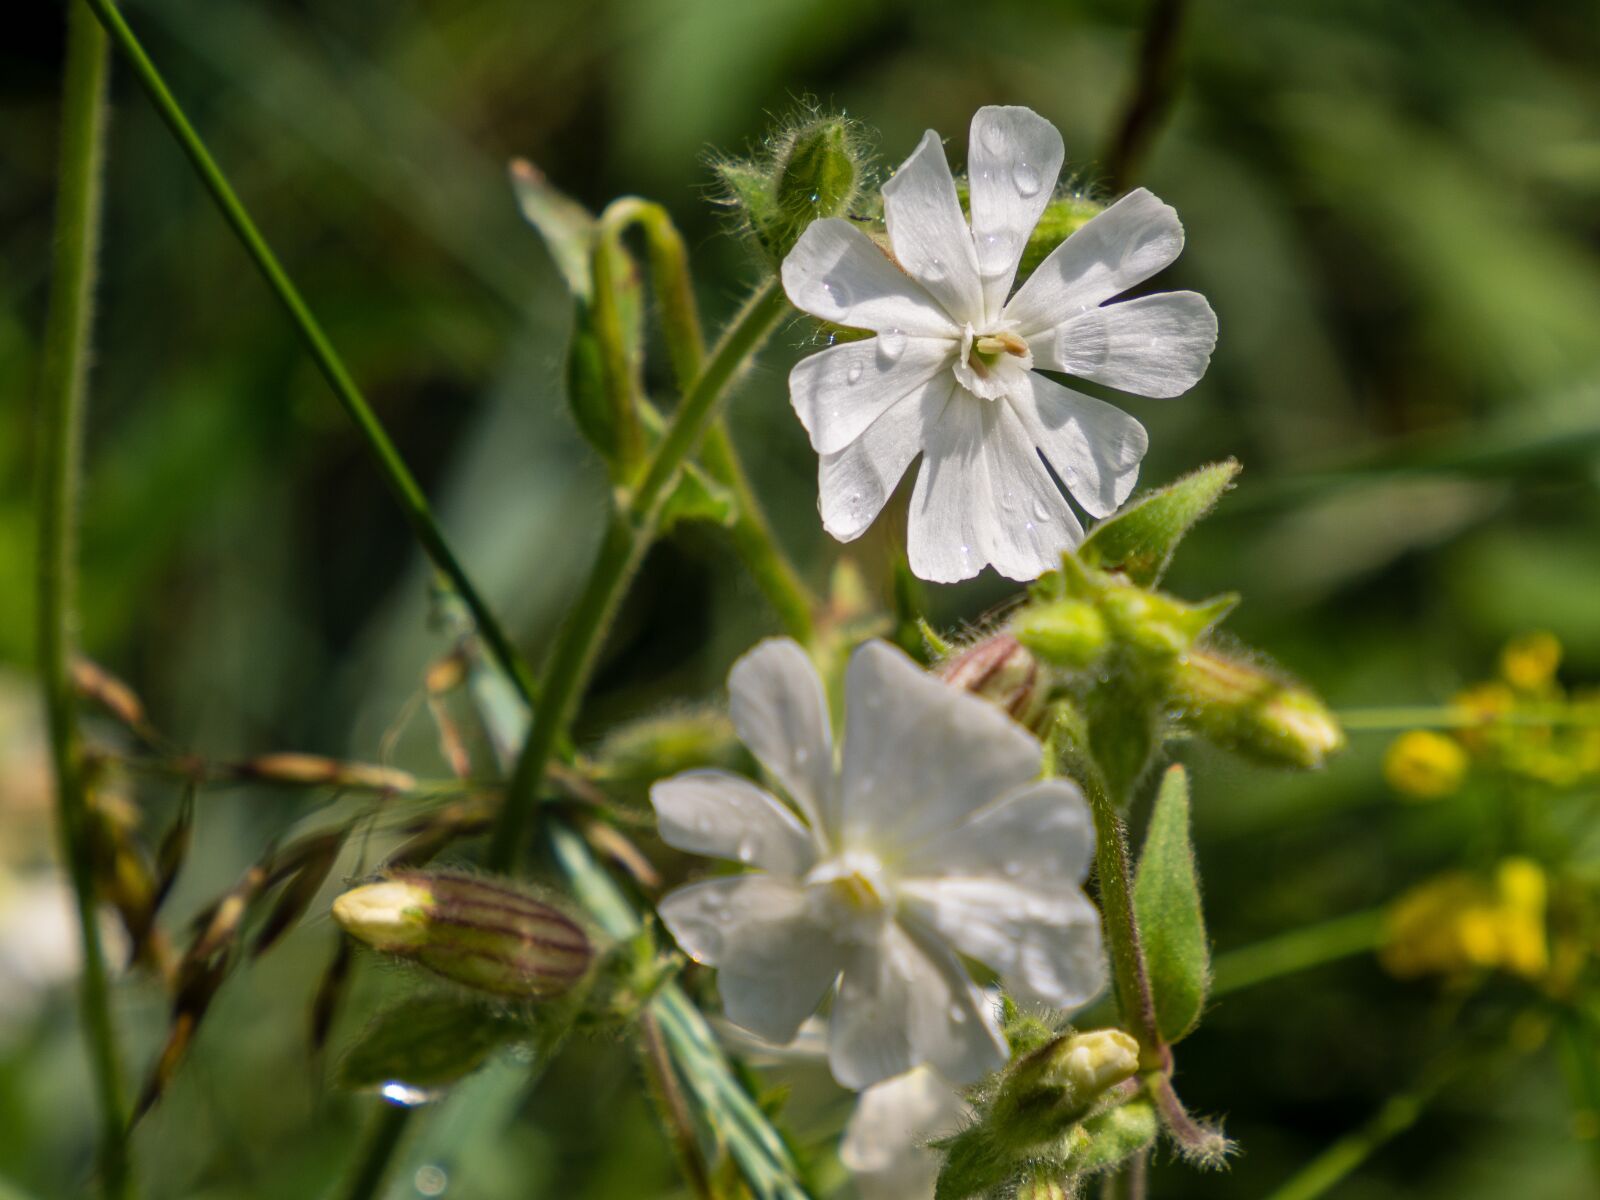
(1449, 716)
(1296, 950)
(752, 533)
(753, 538)
(377, 1153)
(62, 393)
(1135, 1001)
(407, 492)
(627, 536)
(1397, 1115)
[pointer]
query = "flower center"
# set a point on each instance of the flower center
(851, 892)
(991, 363)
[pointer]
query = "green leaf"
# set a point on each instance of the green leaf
(426, 1042)
(1166, 902)
(566, 226)
(1140, 540)
(697, 497)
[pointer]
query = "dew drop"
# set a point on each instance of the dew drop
(1026, 176)
(430, 1180)
(994, 138)
(801, 753)
(1041, 511)
(746, 849)
(1012, 869)
(934, 270)
(406, 1095)
(891, 345)
(994, 253)
(958, 1014)
(853, 373)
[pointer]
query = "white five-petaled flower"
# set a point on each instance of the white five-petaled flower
(933, 836)
(953, 373)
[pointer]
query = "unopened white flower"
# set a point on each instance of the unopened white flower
(885, 1144)
(932, 837)
(954, 371)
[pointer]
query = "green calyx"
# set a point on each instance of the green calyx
(815, 168)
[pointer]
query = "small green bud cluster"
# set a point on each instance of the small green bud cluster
(1051, 1121)
(478, 932)
(814, 168)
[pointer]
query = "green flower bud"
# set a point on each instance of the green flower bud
(1156, 625)
(1062, 217)
(477, 932)
(1043, 1183)
(1065, 633)
(1056, 1084)
(1001, 670)
(1255, 712)
(634, 756)
(813, 169)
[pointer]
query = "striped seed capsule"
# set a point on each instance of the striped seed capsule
(478, 932)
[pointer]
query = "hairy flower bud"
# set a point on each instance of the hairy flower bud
(1057, 1083)
(474, 931)
(814, 169)
(1000, 669)
(1043, 1183)
(1065, 633)
(1255, 712)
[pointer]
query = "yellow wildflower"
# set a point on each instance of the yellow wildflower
(1457, 923)
(1423, 765)
(1528, 663)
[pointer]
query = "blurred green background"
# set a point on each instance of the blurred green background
(1394, 209)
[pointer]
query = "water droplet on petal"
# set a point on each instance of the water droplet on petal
(1026, 176)
(934, 270)
(958, 1014)
(746, 849)
(839, 293)
(994, 138)
(1041, 511)
(853, 374)
(994, 253)
(891, 345)
(1012, 869)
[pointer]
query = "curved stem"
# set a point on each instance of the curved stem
(63, 386)
(628, 535)
(402, 484)
(752, 533)
(1296, 950)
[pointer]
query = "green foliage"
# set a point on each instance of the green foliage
(1166, 899)
(1140, 540)
(698, 497)
(426, 1042)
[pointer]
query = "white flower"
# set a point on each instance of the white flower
(885, 1144)
(933, 837)
(953, 373)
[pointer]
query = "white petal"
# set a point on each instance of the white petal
(1013, 158)
(904, 1001)
(929, 235)
(983, 498)
(774, 961)
(885, 1144)
(853, 484)
(835, 272)
(1043, 942)
(1095, 447)
(781, 712)
(920, 756)
(840, 391)
(1153, 346)
(721, 815)
(1040, 834)
(1120, 247)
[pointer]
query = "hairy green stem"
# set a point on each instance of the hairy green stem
(407, 492)
(668, 1097)
(752, 533)
(1114, 871)
(1296, 950)
(377, 1152)
(627, 536)
(63, 388)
